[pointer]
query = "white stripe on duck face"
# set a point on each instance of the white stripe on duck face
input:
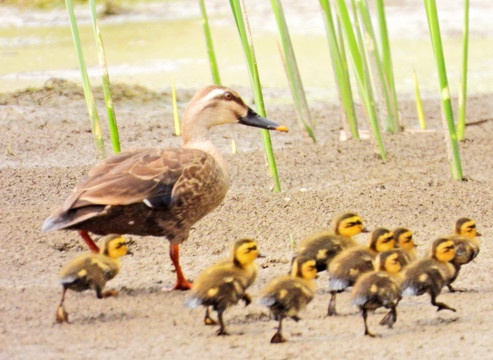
(216, 93)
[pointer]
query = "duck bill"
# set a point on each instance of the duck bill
(255, 120)
(365, 230)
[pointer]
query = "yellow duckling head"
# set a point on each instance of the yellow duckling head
(466, 227)
(404, 239)
(114, 246)
(388, 261)
(443, 249)
(348, 224)
(245, 251)
(304, 267)
(381, 239)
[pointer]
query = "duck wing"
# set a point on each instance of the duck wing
(157, 177)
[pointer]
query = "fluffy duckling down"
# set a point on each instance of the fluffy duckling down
(350, 264)
(92, 271)
(404, 241)
(431, 274)
(325, 245)
(225, 283)
(287, 295)
(380, 288)
(466, 245)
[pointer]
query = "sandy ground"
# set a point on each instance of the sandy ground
(46, 145)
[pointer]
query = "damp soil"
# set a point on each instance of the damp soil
(46, 146)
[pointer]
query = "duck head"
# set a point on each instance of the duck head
(466, 227)
(217, 105)
(304, 267)
(349, 224)
(381, 240)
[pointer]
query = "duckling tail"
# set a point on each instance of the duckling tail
(267, 301)
(193, 302)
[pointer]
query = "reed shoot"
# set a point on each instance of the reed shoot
(337, 54)
(461, 123)
(176, 118)
(241, 19)
(295, 83)
(91, 105)
(454, 157)
(108, 98)
(210, 48)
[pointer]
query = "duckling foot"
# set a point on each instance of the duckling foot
(109, 293)
(442, 306)
(61, 315)
(388, 320)
(209, 321)
(247, 299)
(453, 290)
(370, 334)
(277, 339)
(222, 332)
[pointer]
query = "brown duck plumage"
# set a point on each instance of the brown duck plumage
(160, 192)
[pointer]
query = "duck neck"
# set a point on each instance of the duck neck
(196, 136)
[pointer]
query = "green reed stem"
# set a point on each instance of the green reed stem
(108, 98)
(340, 69)
(176, 118)
(461, 123)
(210, 48)
(380, 81)
(454, 158)
(419, 104)
(360, 72)
(91, 105)
(241, 19)
(292, 72)
(386, 57)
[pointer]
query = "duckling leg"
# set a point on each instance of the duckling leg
(390, 318)
(104, 294)
(440, 305)
(452, 289)
(222, 329)
(365, 316)
(278, 338)
(181, 282)
(207, 318)
(61, 313)
(332, 304)
(247, 299)
(89, 241)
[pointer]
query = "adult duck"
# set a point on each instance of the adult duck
(160, 192)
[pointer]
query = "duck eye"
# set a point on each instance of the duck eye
(228, 96)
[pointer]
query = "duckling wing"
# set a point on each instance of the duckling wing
(346, 267)
(287, 296)
(421, 277)
(376, 289)
(86, 270)
(466, 250)
(321, 247)
(219, 288)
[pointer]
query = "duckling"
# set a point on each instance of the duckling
(466, 246)
(323, 246)
(404, 240)
(92, 271)
(346, 267)
(224, 284)
(287, 295)
(380, 288)
(431, 274)
(160, 192)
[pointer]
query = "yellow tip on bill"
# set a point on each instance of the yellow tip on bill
(282, 128)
